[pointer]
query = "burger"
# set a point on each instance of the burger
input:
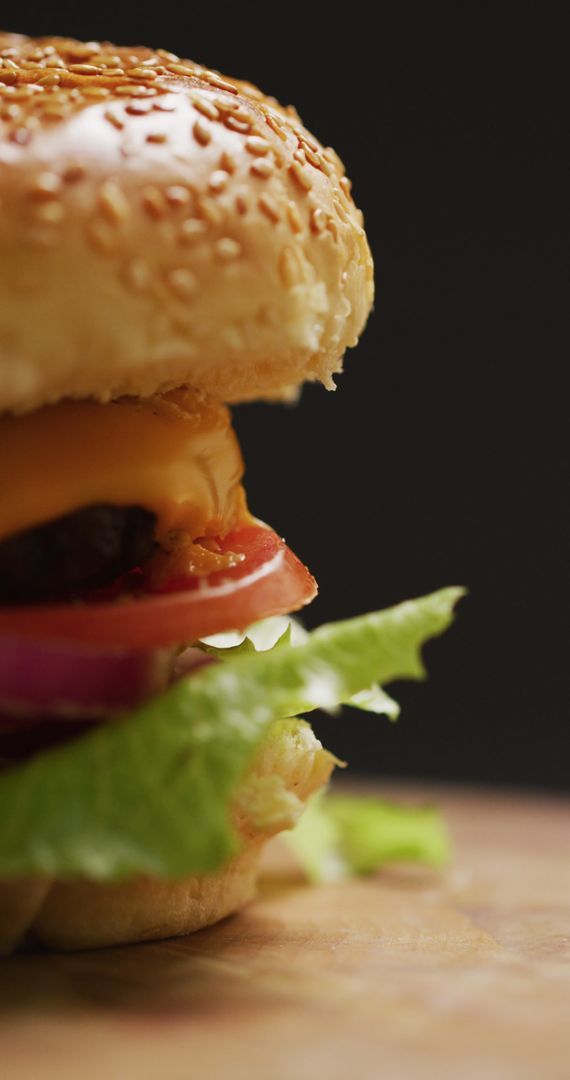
(172, 241)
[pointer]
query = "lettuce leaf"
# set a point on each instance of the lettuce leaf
(342, 835)
(261, 636)
(152, 793)
(280, 630)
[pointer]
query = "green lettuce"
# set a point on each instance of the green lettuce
(342, 835)
(280, 630)
(152, 792)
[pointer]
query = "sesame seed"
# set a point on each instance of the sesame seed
(309, 141)
(341, 211)
(141, 73)
(228, 162)
(163, 106)
(176, 195)
(113, 202)
(50, 80)
(345, 186)
(154, 202)
(128, 147)
(46, 186)
(263, 167)
(216, 80)
(276, 126)
(51, 212)
(225, 105)
(81, 50)
(289, 268)
(242, 205)
(332, 228)
(206, 107)
(318, 220)
(62, 96)
(108, 59)
(227, 249)
(312, 157)
(180, 69)
(139, 274)
(236, 109)
(201, 132)
(102, 236)
(331, 155)
(24, 93)
(252, 92)
(299, 156)
(294, 217)
(156, 137)
(258, 146)
(218, 181)
(84, 69)
(134, 91)
(324, 165)
(114, 119)
(139, 108)
(234, 124)
(191, 230)
(182, 283)
(11, 112)
(95, 91)
(269, 207)
(301, 176)
(73, 173)
(21, 136)
(210, 211)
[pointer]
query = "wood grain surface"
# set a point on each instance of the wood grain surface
(408, 975)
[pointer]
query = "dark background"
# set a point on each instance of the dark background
(440, 459)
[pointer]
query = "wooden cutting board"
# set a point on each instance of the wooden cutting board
(408, 975)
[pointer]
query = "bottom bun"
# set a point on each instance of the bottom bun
(88, 915)
(290, 766)
(20, 902)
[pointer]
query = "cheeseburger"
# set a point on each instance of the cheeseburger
(171, 241)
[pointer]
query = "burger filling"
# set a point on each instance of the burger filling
(132, 741)
(124, 539)
(78, 552)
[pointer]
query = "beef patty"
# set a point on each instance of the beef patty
(64, 558)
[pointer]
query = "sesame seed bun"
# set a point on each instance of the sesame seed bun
(165, 225)
(80, 914)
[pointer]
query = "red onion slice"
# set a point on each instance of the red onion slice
(57, 679)
(189, 661)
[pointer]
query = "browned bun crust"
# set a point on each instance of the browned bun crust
(83, 914)
(162, 225)
(86, 915)
(20, 902)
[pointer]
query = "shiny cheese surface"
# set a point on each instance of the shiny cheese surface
(175, 454)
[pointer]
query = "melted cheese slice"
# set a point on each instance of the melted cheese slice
(175, 454)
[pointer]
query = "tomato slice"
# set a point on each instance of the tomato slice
(269, 581)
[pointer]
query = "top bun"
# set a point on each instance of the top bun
(162, 225)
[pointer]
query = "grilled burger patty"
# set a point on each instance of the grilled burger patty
(83, 550)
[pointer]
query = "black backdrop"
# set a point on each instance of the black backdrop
(439, 459)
